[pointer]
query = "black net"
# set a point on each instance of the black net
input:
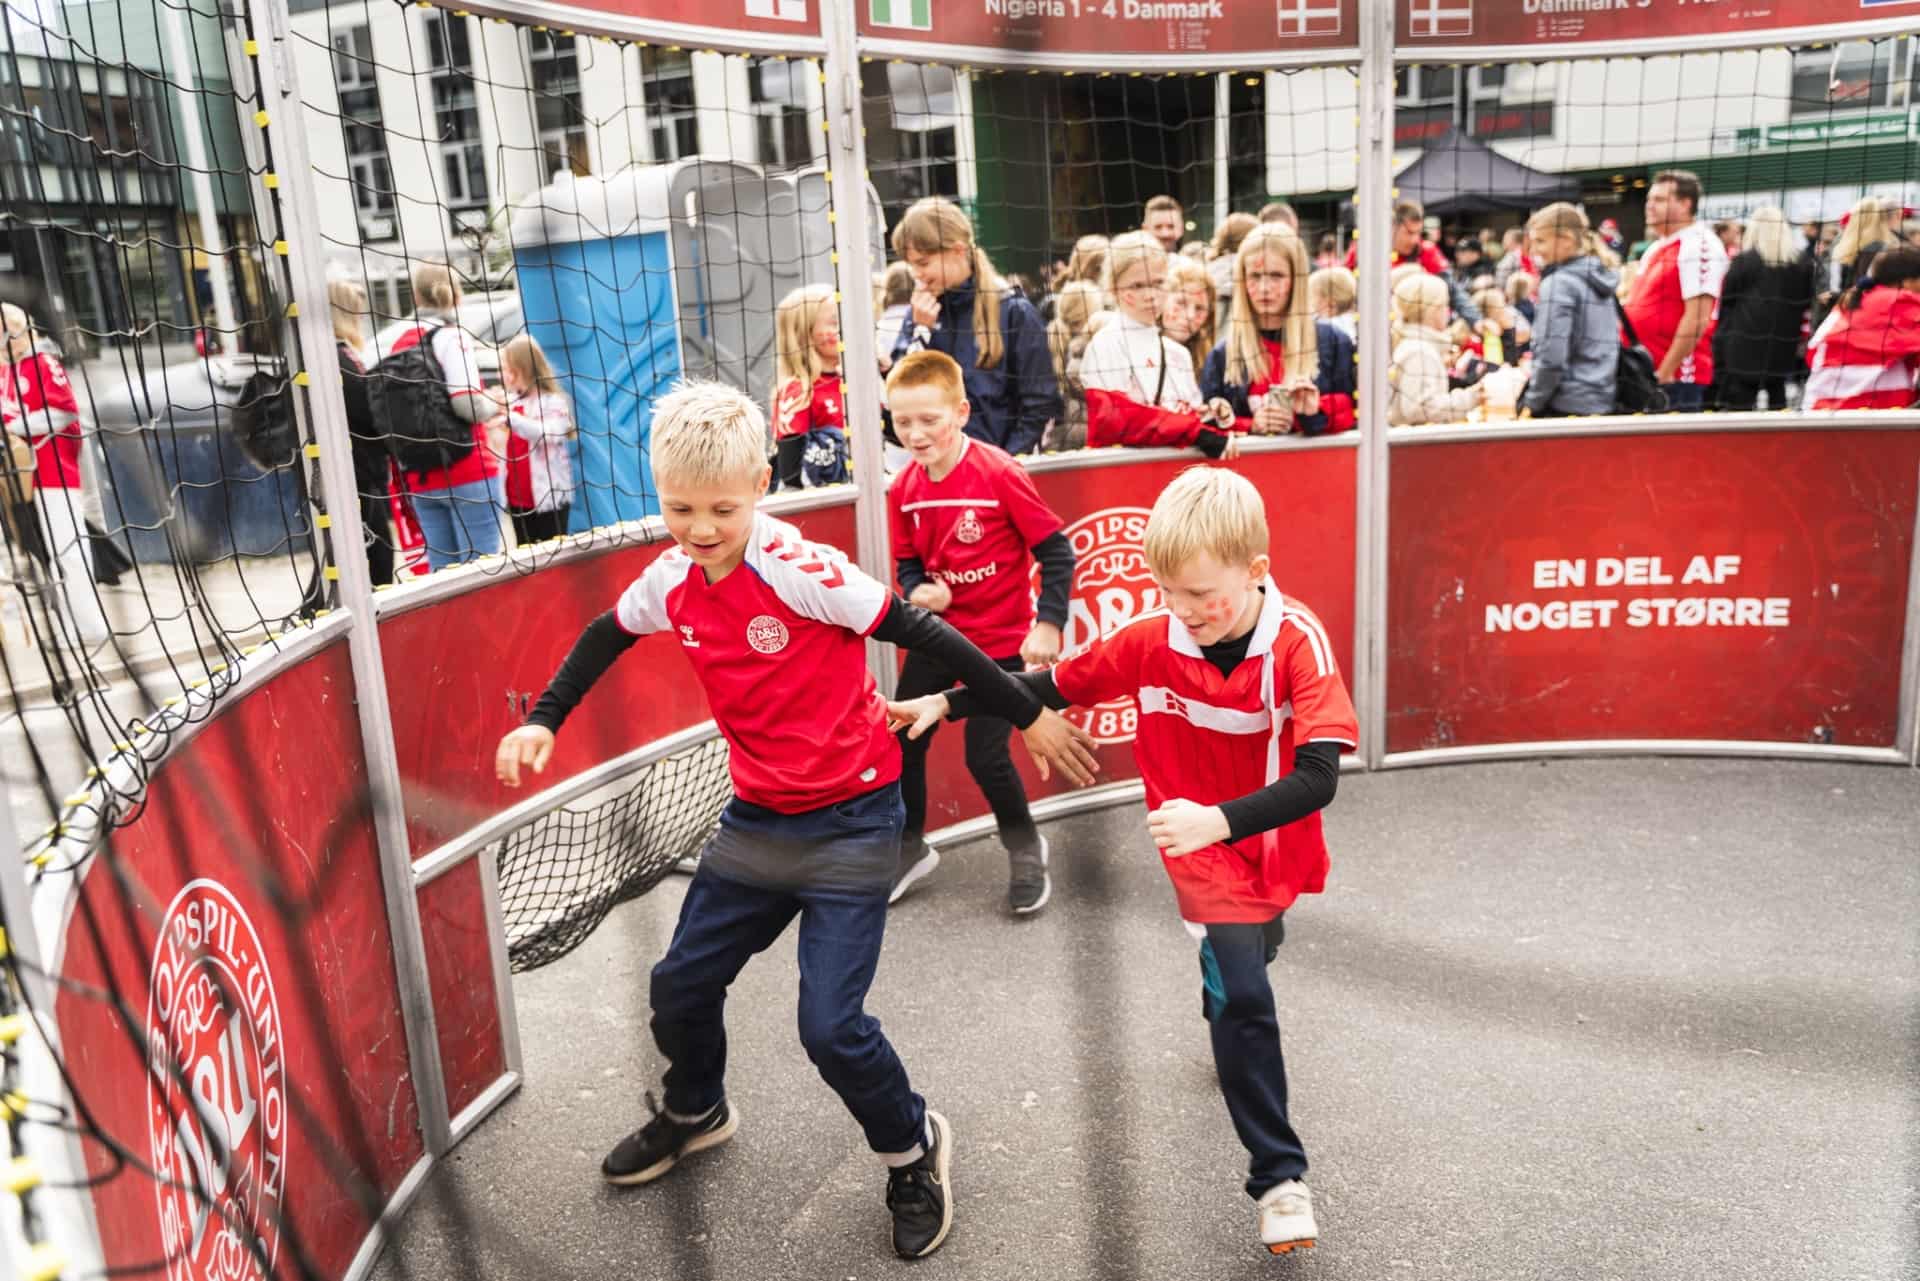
(562, 873)
(580, 223)
(1756, 184)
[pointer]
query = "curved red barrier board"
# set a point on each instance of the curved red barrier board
(466, 1009)
(1105, 27)
(252, 870)
(1748, 586)
(1426, 23)
(461, 672)
(1311, 516)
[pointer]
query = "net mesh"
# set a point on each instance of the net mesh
(562, 873)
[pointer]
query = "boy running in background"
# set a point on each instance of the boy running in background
(964, 518)
(774, 626)
(1243, 716)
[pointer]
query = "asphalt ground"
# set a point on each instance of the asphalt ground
(1560, 1020)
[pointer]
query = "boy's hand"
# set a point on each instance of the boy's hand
(932, 597)
(1054, 741)
(1232, 451)
(530, 745)
(1180, 827)
(1042, 646)
(917, 715)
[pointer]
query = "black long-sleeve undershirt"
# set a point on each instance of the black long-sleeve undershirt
(1055, 555)
(603, 641)
(1306, 789)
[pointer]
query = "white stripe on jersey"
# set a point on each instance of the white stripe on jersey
(1316, 638)
(950, 502)
(1158, 699)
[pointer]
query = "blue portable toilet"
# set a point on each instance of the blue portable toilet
(593, 263)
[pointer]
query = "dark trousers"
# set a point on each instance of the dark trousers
(1738, 395)
(1685, 398)
(538, 527)
(725, 921)
(1246, 1049)
(988, 759)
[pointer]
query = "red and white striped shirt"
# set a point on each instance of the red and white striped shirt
(1209, 738)
(778, 646)
(1691, 263)
(1867, 358)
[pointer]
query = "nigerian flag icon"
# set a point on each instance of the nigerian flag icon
(915, 15)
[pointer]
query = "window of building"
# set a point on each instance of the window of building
(777, 92)
(555, 63)
(912, 132)
(456, 112)
(368, 168)
(1857, 75)
(1423, 104)
(667, 75)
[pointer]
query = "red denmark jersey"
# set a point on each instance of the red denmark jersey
(36, 401)
(777, 645)
(1688, 264)
(974, 531)
(1209, 738)
(798, 411)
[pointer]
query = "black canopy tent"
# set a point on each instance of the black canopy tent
(1459, 175)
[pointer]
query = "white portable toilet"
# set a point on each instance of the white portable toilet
(594, 264)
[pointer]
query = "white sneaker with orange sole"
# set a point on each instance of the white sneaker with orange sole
(1286, 1218)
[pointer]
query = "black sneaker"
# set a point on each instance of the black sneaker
(1028, 884)
(657, 1146)
(919, 1197)
(917, 860)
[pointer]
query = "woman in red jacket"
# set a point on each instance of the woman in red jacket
(36, 401)
(1867, 352)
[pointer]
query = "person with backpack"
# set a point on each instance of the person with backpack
(431, 405)
(1576, 339)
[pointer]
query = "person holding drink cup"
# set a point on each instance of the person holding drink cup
(1279, 369)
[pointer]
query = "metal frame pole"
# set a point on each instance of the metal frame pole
(847, 162)
(327, 418)
(63, 1196)
(1373, 208)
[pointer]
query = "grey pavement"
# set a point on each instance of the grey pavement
(1559, 1020)
(167, 624)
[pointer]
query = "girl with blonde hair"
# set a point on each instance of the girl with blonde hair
(372, 464)
(1331, 293)
(1187, 309)
(539, 461)
(1420, 393)
(809, 399)
(1871, 225)
(1277, 367)
(1075, 308)
(962, 307)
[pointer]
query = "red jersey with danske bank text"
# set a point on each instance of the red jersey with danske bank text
(778, 645)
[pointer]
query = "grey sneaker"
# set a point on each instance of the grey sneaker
(1286, 1218)
(913, 868)
(1028, 884)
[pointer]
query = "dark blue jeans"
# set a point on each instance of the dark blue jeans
(725, 921)
(1685, 398)
(1246, 1048)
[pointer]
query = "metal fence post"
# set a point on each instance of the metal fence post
(1373, 210)
(327, 421)
(852, 233)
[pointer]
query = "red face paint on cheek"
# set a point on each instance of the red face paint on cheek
(1220, 609)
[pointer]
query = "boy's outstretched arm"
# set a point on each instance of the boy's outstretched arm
(603, 641)
(1052, 741)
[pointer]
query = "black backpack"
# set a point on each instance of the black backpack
(1636, 386)
(412, 412)
(262, 422)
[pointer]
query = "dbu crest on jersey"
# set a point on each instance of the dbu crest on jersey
(767, 634)
(1111, 588)
(969, 530)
